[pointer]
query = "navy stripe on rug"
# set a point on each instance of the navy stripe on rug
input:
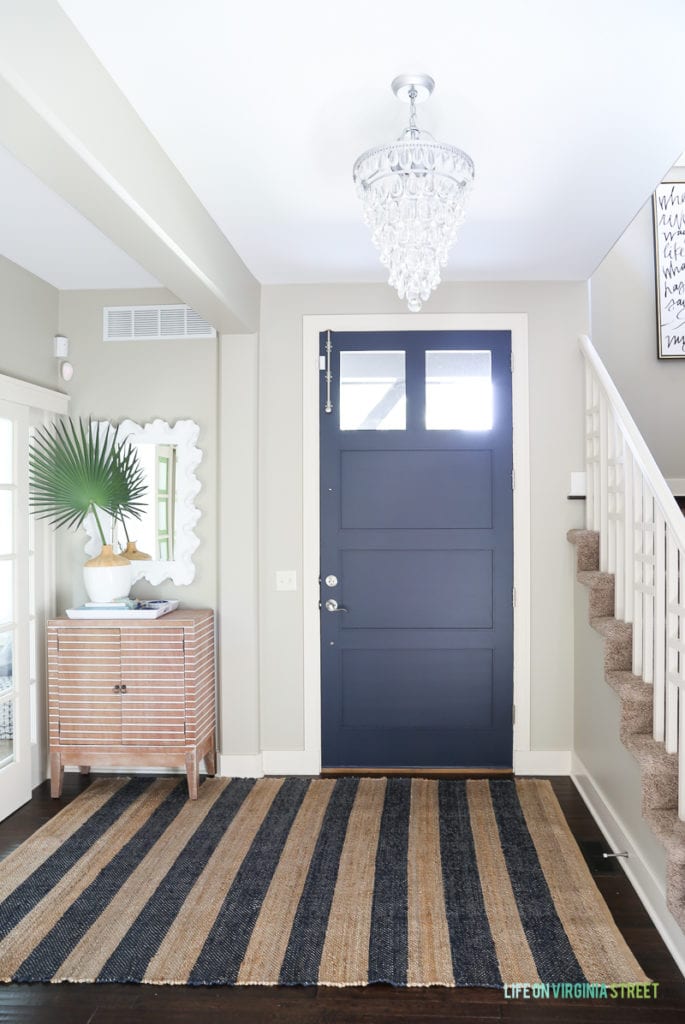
(474, 960)
(388, 953)
(53, 950)
(131, 959)
(549, 943)
(40, 882)
(305, 946)
(222, 954)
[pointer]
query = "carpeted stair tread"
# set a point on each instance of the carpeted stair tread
(670, 830)
(587, 545)
(651, 754)
(629, 686)
(658, 769)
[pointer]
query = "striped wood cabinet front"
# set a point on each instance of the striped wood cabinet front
(132, 693)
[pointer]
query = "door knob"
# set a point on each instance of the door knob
(333, 606)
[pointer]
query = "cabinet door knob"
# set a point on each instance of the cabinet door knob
(123, 687)
(117, 688)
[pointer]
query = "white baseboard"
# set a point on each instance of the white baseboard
(241, 766)
(542, 762)
(646, 885)
(290, 762)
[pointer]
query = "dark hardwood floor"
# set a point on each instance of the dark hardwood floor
(135, 1004)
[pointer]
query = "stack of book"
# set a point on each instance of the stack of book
(125, 608)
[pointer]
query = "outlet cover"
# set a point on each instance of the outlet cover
(286, 579)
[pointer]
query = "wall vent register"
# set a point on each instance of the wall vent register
(153, 323)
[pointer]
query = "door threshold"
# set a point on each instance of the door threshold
(417, 771)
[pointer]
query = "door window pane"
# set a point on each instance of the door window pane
(372, 391)
(6, 646)
(6, 732)
(6, 451)
(6, 540)
(6, 592)
(458, 391)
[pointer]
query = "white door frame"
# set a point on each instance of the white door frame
(309, 760)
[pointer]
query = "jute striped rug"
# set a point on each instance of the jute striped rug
(302, 882)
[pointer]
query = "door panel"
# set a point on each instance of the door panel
(89, 687)
(394, 589)
(153, 672)
(459, 485)
(417, 541)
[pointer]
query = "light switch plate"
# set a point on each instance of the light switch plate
(286, 579)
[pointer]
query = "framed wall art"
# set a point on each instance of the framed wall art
(669, 246)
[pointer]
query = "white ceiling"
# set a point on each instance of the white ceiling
(571, 112)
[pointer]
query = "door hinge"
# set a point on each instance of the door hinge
(513, 479)
(511, 361)
(513, 597)
(513, 714)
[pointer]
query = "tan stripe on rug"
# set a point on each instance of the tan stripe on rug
(600, 949)
(183, 943)
(22, 862)
(17, 945)
(269, 940)
(345, 955)
(97, 945)
(516, 962)
(429, 956)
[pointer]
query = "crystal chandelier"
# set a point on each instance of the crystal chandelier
(414, 192)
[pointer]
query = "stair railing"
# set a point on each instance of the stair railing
(642, 542)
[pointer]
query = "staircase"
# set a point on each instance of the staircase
(659, 769)
(631, 556)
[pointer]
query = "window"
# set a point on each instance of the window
(459, 391)
(372, 391)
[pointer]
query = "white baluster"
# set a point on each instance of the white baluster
(589, 449)
(666, 713)
(638, 570)
(628, 534)
(648, 585)
(603, 485)
(660, 632)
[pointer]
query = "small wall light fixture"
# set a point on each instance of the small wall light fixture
(60, 349)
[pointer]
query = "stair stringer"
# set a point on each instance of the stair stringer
(658, 769)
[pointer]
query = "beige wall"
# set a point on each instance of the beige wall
(623, 330)
(142, 381)
(557, 314)
(28, 324)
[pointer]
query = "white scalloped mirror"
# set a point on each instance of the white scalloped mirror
(169, 456)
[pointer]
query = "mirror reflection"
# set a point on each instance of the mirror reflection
(161, 544)
(154, 533)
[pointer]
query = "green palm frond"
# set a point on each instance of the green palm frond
(74, 470)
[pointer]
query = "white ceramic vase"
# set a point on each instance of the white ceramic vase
(107, 577)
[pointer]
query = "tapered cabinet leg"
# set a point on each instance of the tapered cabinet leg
(210, 760)
(56, 773)
(192, 771)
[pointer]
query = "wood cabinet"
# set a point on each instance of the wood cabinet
(132, 693)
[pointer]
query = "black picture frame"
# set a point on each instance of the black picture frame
(668, 211)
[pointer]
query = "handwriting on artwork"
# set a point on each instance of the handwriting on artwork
(669, 233)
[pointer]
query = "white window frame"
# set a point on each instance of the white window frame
(30, 405)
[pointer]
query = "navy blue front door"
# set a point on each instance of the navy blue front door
(417, 550)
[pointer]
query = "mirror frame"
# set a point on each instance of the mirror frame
(183, 435)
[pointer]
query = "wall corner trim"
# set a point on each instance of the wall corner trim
(618, 837)
(241, 766)
(542, 762)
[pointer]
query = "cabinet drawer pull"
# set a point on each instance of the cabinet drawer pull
(123, 687)
(117, 688)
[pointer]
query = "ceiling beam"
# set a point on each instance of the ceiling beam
(64, 117)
